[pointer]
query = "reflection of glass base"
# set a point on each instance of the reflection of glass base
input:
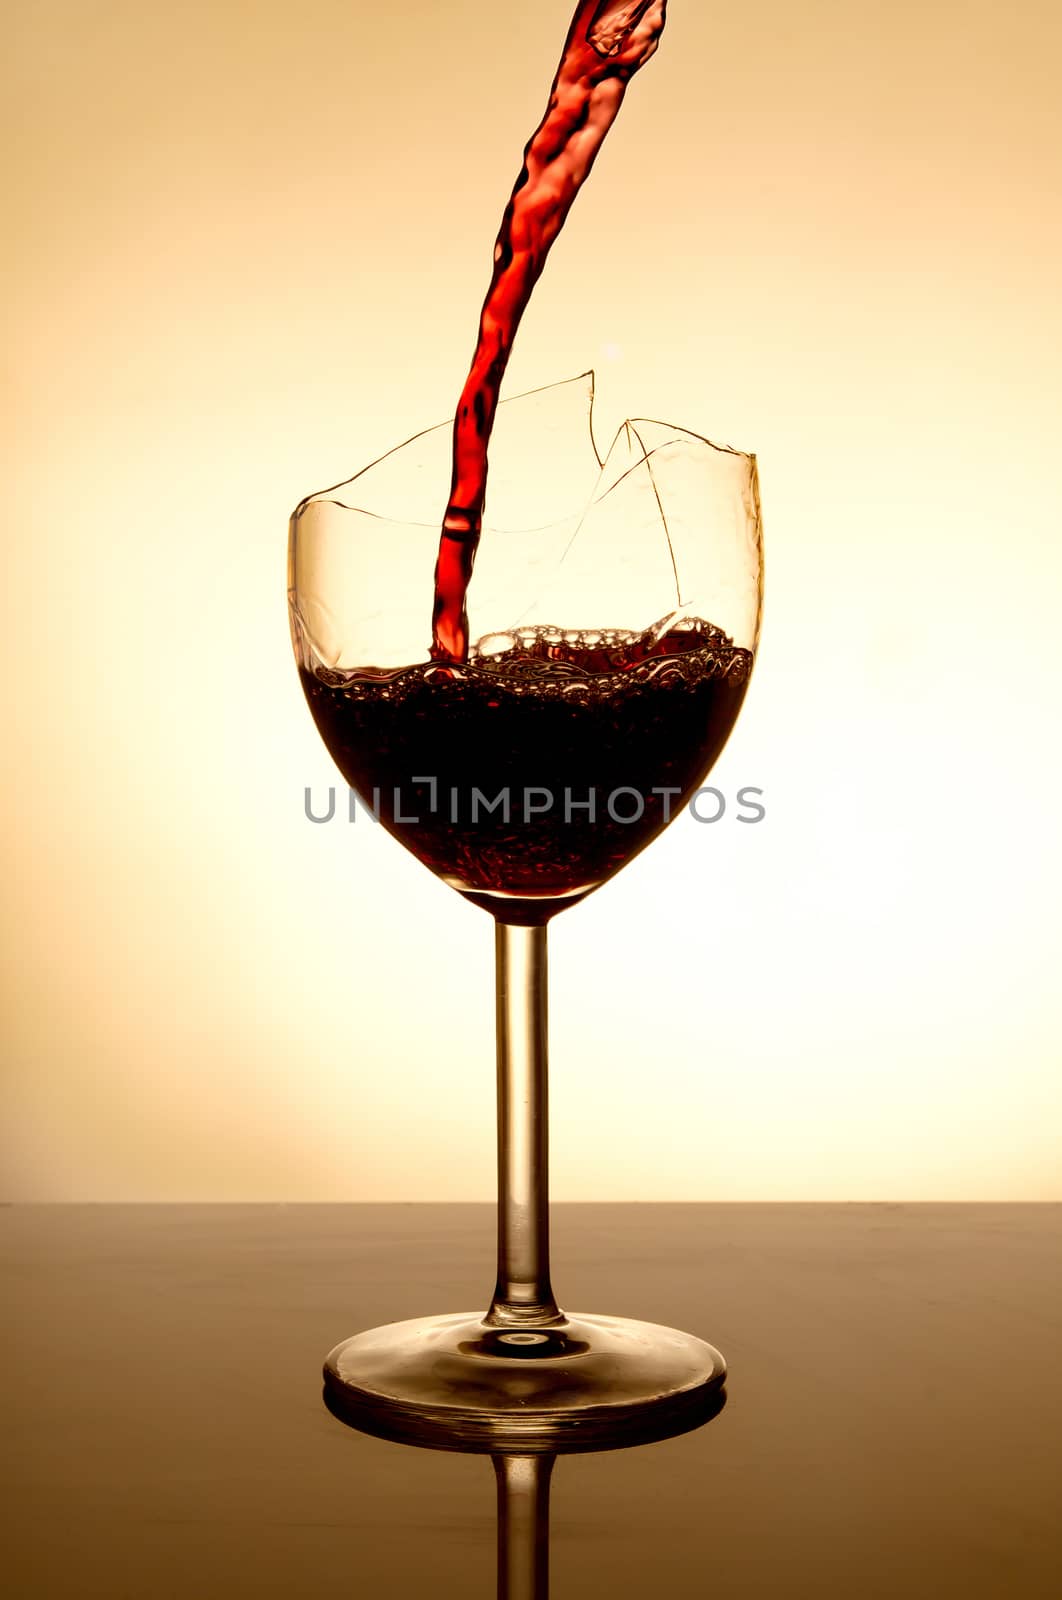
(585, 1384)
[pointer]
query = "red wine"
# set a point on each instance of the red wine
(607, 43)
(534, 771)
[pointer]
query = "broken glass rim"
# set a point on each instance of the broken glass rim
(330, 496)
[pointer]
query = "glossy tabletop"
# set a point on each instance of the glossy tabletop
(893, 1423)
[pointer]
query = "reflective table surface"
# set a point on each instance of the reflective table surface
(893, 1423)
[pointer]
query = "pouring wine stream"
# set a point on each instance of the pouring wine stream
(606, 45)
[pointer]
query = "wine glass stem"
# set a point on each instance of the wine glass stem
(523, 1526)
(523, 1294)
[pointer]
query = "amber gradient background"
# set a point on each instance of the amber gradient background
(246, 248)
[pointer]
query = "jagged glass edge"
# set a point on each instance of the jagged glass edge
(329, 496)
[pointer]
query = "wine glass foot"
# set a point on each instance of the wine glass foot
(586, 1383)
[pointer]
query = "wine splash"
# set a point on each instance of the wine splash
(607, 43)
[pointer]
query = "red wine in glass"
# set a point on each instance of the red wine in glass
(526, 778)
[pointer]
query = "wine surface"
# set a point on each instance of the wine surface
(536, 769)
(608, 41)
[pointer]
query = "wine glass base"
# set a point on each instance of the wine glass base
(587, 1383)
